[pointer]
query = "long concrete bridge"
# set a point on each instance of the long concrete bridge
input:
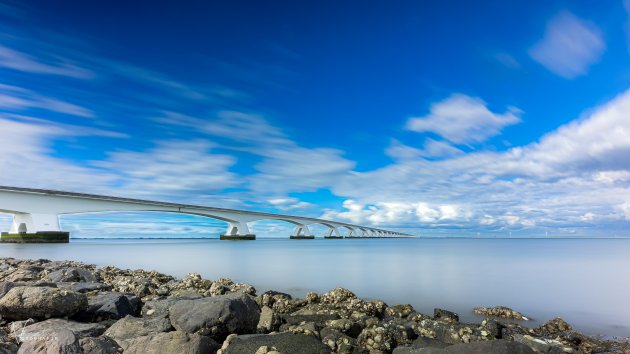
(37, 211)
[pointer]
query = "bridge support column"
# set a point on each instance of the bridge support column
(35, 228)
(301, 232)
(237, 230)
(333, 233)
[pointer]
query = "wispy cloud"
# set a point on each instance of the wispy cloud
(16, 60)
(570, 46)
(463, 119)
(17, 98)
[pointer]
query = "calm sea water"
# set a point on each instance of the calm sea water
(585, 281)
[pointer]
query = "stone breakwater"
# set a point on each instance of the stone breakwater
(68, 307)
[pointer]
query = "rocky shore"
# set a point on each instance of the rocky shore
(68, 307)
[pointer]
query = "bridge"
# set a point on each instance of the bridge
(36, 211)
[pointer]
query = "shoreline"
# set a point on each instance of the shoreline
(162, 309)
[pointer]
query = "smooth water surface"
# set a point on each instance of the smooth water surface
(584, 281)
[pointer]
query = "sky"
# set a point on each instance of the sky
(433, 117)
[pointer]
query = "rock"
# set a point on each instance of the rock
(312, 298)
(16, 327)
(216, 316)
(26, 273)
(445, 316)
(284, 342)
(269, 321)
(25, 302)
(159, 308)
(552, 327)
(319, 319)
(79, 329)
(385, 337)
(337, 295)
(84, 287)
(500, 311)
(100, 345)
(5, 286)
(400, 311)
(171, 342)
(419, 343)
(71, 275)
(109, 305)
(543, 345)
(452, 333)
(346, 326)
(277, 301)
(132, 327)
(8, 348)
(339, 342)
(51, 341)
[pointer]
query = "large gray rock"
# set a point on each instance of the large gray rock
(420, 343)
(8, 348)
(100, 345)
(52, 341)
(109, 305)
(71, 275)
(26, 302)
(269, 320)
(5, 286)
(171, 342)
(216, 316)
(159, 308)
(283, 342)
(79, 329)
(132, 327)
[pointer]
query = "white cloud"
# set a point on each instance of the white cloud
(463, 119)
(570, 46)
(575, 176)
(16, 60)
(289, 204)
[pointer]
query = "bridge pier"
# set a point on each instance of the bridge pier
(301, 232)
(35, 228)
(333, 233)
(237, 231)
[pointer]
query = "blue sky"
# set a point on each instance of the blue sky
(438, 118)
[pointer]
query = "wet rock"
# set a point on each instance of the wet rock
(445, 316)
(400, 311)
(100, 345)
(51, 341)
(216, 316)
(26, 302)
(171, 342)
(108, 306)
(284, 342)
(79, 329)
(84, 287)
(269, 321)
(132, 327)
(500, 311)
(71, 275)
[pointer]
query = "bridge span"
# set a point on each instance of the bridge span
(36, 211)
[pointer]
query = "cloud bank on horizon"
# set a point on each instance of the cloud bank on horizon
(415, 124)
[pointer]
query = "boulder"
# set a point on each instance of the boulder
(51, 341)
(319, 319)
(79, 329)
(216, 316)
(100, 345)
(445, 316)
(338, 342)
(501, 312)
(5, 286)
(71, 275)
(420, 343)
(8, 348)
(399, 311)
(131, 327)
(159, 308)
(337, 295)
(109, 305)
(171, 342)
(552, 327)
(283, 342)
(269, 321)
(346, 326)
(26, 302)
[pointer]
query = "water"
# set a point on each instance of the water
(585, 281)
